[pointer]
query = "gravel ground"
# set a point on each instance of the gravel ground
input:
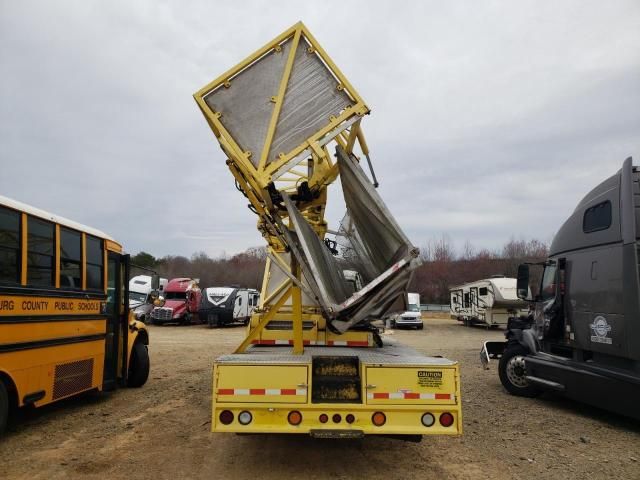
(162, 429)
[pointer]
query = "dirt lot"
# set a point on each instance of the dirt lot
(162, 429)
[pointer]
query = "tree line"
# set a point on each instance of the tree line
(442, 266)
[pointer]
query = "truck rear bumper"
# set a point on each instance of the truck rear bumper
(398, 421)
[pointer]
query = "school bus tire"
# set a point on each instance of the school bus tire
(138, 365)
(4, 406)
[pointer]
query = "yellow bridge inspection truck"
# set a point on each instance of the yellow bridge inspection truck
(313, 362)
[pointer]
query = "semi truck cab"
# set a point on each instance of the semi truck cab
(582, 337)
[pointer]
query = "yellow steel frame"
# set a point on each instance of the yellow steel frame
(254, 181)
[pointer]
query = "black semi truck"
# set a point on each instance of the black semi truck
(582, 337)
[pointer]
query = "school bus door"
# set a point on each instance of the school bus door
(117, 315)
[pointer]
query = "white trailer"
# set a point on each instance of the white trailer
(488, 302)
(224, 305)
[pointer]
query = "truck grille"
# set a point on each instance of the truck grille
(162, 313)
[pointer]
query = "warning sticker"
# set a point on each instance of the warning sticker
(430, 378)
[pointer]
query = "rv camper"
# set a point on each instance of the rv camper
(583, 338)
(224, 305)
(488, 302)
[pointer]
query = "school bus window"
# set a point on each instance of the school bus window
(9, 246)
(111, 286)
(95, 262)
(40, 252)
(70, 258)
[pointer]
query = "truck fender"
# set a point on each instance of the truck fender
(525, 337)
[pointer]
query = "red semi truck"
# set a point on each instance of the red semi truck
(182, 298)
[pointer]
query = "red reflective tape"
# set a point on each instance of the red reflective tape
(381, 395)
(443, 396)
(288, 391)
(358, 344)
(267, 342)
(257, 391)
(225, 391)
(412, 396)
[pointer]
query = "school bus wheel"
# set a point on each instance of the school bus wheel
(138, 365)
(4, 406)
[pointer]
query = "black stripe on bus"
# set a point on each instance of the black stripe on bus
(50, 318)
(53, 342)
(44, 292)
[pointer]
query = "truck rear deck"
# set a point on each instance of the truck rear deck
(336, 392)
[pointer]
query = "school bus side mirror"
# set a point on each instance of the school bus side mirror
(155, 282)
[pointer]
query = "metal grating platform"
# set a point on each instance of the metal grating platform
(392, 353)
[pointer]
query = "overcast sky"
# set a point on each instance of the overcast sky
(489, 119)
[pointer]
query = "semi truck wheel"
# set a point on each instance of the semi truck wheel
(513, 374)
(4, 407)
(138, 365)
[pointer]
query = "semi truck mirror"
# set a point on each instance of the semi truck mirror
(523, 282)
(159, 301)
(155, 282)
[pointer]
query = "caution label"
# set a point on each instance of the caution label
(430, 378)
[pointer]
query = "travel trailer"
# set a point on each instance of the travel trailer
(489, 302)
(224, 305)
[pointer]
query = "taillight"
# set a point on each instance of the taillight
(336, 418)
(446, 419)
(295, 418)
(245, 418)
(428, 419)
(379, 419)
(323, 418)
(226, 417)
(350, 418)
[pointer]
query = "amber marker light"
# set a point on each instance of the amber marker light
(379, 419)
(295, 418)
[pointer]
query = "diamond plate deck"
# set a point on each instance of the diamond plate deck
(392, 353)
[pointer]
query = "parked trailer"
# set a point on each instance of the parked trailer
(312, 361)
(489, 302)
(224, 305)
(583, 338)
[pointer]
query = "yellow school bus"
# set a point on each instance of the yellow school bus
(65, 326)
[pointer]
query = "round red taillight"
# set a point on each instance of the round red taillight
(295, 418)
(226, 417)
(324, 418)
(446, 419)
(336, 418)
(350, 418)
(379, 419)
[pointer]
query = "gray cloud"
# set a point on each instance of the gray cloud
(490, 119)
